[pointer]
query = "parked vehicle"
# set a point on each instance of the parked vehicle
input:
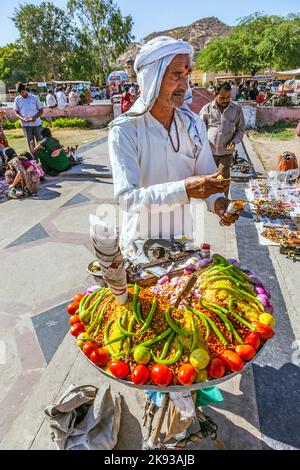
(96, 93)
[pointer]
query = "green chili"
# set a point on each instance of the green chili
(220, 278)
(149, 317)
(115, 340)
(173, 325)
(98, 319)
(167, 345)
(214, 327)
(135, 306)
(243, 275)
(123, 330)
(194, 332)
(83, 313)
(219, 260)
(217, 269)
(172, 359)
(154, 340)
(239, 293)
(207, 328)
(221, 316)
(130, 330)
(238, 317)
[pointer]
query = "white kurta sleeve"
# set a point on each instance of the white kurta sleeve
(205, 164)
(126, 174)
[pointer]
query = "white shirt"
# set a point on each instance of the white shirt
(28, 107)
(149, 176)
(73, 99)
(61, 99)
(51, 101)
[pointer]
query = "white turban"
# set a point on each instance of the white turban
(150, 67)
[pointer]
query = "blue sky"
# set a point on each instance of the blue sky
(157, 15)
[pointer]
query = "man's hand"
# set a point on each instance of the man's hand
(231, 147)
(221, 205)
(201, 187)
(31, 119)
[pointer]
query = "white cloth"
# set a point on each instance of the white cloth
(148, 173)
(51, 101)
(61, 98)
(73, 99)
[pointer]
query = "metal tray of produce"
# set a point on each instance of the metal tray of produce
(177, 388)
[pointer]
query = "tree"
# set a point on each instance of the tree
(12, 65)
(257, 43)
(46, 36)
(104, 27)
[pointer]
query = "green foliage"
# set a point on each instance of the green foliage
(12, 64)
(46, 34)
(282, 131)
(257, 43)
(9, 125)
(104, 30)
(71, 123)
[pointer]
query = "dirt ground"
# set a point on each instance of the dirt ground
(67, 137)
(269, 149)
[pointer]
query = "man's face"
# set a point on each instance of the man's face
(223, 98)
(175, 82)
(24, 93)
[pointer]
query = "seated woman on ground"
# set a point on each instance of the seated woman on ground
(21, 176)
(51, 154)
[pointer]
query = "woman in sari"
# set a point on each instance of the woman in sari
(51, 154)
(21, 176)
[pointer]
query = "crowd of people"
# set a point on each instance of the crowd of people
(248, 90)
(62, 97)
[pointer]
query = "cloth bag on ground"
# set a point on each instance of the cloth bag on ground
(85, 418)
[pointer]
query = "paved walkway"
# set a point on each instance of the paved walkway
(43, 264)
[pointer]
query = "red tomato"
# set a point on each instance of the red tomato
(245, 351)
(100, 357)
(140, 375)
(88, 348)
(253, 339)
(264, 331)
(232, 361)
(74, 319)
(161, 375)
(72, 308)
(216, 368)
(119, 369)
(77, 329)
(186, 374)
(78, 297)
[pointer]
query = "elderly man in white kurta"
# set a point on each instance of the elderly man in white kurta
(159, 151)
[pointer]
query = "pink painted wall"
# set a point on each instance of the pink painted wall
(98, 115)
(269, 116)
(201, 96)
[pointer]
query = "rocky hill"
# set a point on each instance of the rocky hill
(198, 34)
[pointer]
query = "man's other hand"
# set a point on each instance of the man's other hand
(201, 187)
(231, 147)
(221, 205)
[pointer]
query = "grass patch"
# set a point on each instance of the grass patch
(281, 131)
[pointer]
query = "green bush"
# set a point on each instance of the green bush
(73, 123)
(9, 125)
(60, 123)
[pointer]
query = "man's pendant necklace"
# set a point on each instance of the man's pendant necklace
(176, 150)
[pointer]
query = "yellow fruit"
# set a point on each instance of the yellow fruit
(142, 355)
(267, 319)
(199, 359)
(202, 376)
(220, 177)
